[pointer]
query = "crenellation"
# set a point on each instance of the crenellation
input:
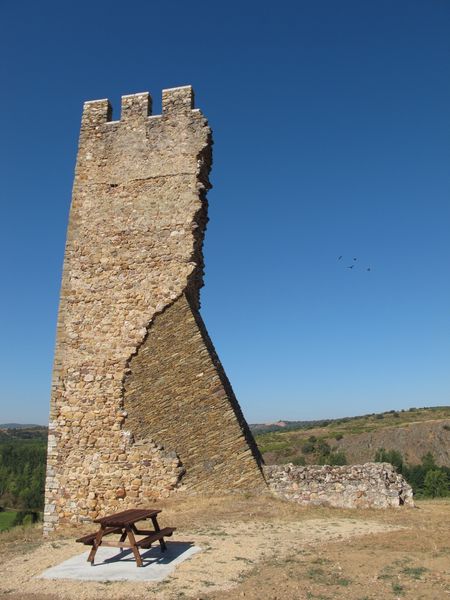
(175, 101)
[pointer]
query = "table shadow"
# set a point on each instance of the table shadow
(152, 556)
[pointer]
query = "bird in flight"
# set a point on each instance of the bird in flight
(354, 259)
(350, 267)
(339, 257)
(368, 269)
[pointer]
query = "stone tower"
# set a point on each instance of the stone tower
(140, 404)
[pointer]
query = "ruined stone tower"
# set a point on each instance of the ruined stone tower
(140, 404)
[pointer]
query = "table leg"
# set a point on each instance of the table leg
(122, 539)
(95, 544)
(132, 539)
(162, 543)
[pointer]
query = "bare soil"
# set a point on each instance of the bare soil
(258, 548)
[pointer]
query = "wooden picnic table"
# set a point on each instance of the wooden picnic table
(124, 524)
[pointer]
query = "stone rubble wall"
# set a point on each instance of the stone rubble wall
(372, 485)
(134, 247)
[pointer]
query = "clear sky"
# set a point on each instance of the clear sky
(331, 123)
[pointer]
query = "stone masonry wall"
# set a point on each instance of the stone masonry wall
(177, 393)
(133, 257)
(372, 485)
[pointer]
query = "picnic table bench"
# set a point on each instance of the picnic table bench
(124, 523)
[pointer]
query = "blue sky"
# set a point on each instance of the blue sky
(331, 123)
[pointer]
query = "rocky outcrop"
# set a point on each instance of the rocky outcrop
(412, 440)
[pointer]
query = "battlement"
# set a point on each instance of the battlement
(175, 101)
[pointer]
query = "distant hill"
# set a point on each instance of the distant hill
(413, 433)
(16, 431)
(286, 425)
(17, 426)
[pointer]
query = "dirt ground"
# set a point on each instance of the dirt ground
(262, 548)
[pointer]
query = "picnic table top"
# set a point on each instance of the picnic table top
(127, 517)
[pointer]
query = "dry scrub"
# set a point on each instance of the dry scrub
(263, 548)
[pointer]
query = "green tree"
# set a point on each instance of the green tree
(323, 447)
(333, 458)
(428, 461)
(436, 483)
(22, 473)
(308, 448)
(393, 457)
(338, 458)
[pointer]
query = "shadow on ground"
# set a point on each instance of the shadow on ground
(115, 565)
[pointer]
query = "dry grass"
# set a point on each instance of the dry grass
(412, 562)
(282, 551)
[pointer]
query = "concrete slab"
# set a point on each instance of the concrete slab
(113, 565)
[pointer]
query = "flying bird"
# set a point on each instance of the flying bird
(354, 259)
(350, 267)
(339, 257)
(368, 269)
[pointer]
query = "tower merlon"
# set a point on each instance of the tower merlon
(178, 99)
(135, 106)
(96, 112)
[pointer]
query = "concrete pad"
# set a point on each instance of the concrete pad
(113, 565)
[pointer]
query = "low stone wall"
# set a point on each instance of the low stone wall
(372, 485)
